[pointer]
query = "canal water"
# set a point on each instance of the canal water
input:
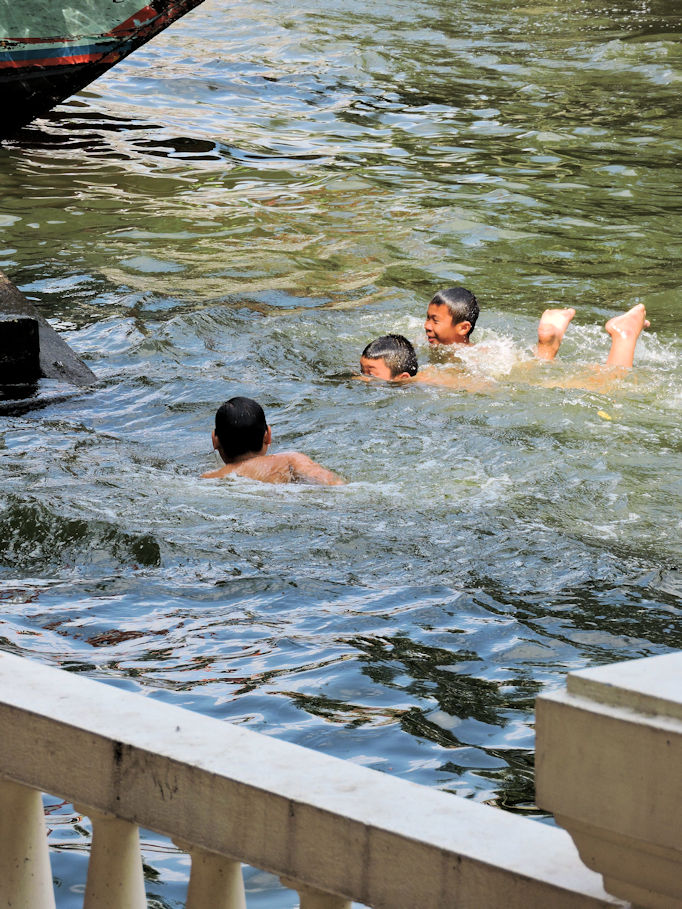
(237, 210)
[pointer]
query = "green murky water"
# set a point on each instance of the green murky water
(238, 209)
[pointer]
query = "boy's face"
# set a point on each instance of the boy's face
(376, 369)
(441, 329)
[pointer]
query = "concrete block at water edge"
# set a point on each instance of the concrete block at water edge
(19, 349)
(609, 765)
(56, 359)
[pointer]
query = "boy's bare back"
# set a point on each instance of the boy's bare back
(283, 467)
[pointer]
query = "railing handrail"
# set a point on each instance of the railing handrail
(305, 816)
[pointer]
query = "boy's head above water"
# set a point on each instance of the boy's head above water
(240, 429)
(389, 357)
(451, 316)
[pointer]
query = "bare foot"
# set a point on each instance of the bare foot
(629, 324)
(624, 331)
(551, 331)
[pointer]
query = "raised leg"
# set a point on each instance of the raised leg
(551, 331)
(624, 331)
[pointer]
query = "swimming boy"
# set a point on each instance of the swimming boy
(242, 438)
(451, 317)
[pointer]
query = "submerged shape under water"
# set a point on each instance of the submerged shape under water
(238, 209)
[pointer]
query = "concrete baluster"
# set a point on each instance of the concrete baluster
(316, 899)
(215, 882)
(25, 874)
(115, 878)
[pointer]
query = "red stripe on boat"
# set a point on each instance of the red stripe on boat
(134, 22)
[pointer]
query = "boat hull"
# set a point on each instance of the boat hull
(46, 56)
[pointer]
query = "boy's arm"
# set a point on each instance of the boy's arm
(307, 469)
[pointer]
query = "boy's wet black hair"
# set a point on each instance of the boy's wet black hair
(396, 352)
(461, 303)
(240, 426)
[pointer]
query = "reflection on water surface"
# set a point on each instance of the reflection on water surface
(239, 209)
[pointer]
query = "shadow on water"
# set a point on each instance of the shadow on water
(430, 671)
(33, 537)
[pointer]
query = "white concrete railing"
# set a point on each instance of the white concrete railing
(330, 829)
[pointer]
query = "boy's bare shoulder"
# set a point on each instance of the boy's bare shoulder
(305, 470)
